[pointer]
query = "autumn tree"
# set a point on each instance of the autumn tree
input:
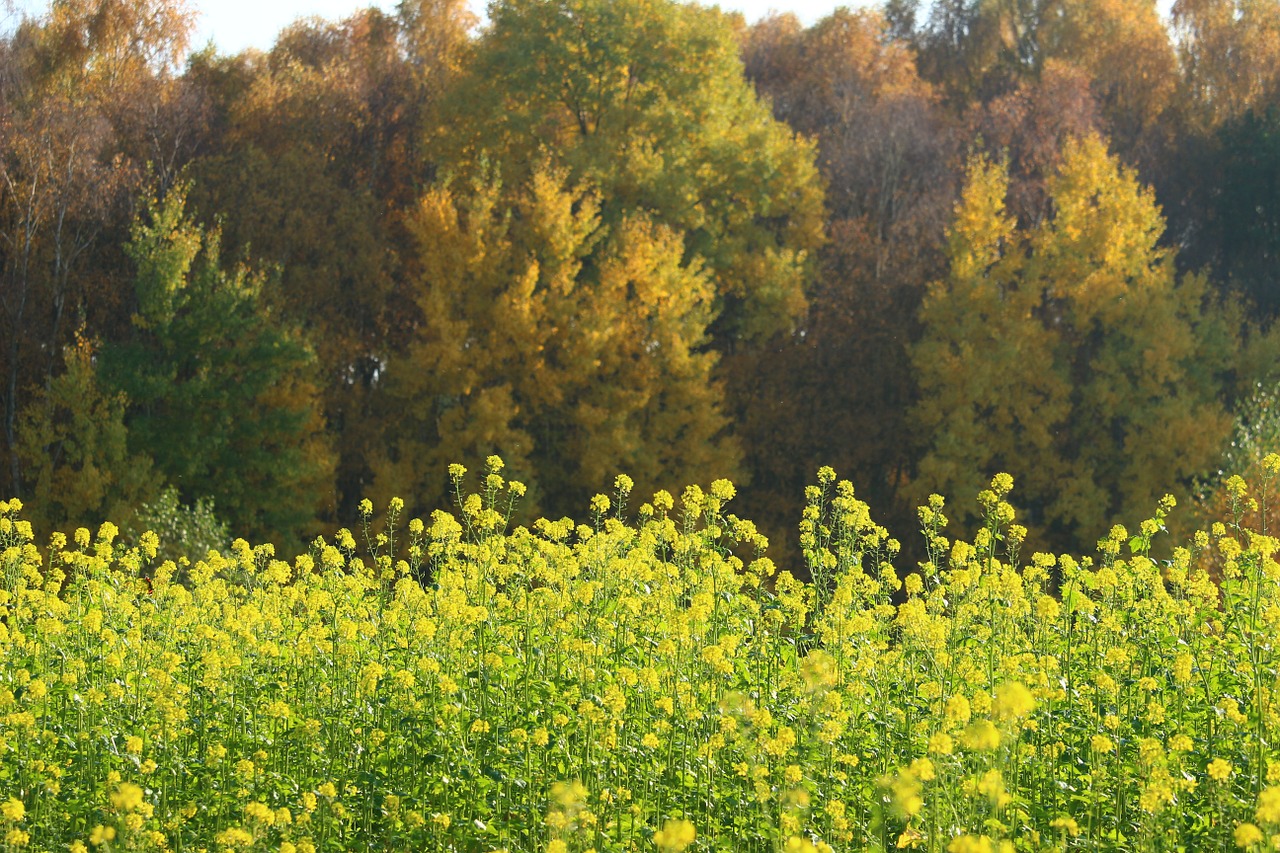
(1229, 52)
(979, 50)
(1070, 355)
(1028, 128)
(67, 78)
(316, 153)
(888, 154)
(1220, 173)
(1125, 49)
(220, 393)
(573, 347)
(972, 50)
(54, 185)
(74, 447)
(645, 101)
(435, 39)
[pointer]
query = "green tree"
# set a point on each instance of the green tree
(1231, 206)
(221, 393)
(1071, 356)
(184, 531)
(1241, 227)
(572, 347)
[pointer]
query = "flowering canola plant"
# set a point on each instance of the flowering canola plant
(641, 682)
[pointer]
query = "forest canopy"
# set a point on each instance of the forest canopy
(918, 243)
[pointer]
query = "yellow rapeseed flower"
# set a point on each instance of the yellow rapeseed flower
(905, 793)
(127, 797)
(971, 844)
(1247, 835)
(675, 836)
(941, 743)
(13, 810)
(981, 735)
(1067, 824)
(1268, 810)
(102, 835)
(260, 812)
(1013, 701)
(992, 786)
(958, 710)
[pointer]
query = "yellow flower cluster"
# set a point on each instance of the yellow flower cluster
(437, 689)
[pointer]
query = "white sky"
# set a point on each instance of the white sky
(236, 24)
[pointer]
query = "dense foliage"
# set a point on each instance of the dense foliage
(1098, 372)
(639, 234)
(240, 293)
(633, 684)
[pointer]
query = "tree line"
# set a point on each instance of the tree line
(919, 243)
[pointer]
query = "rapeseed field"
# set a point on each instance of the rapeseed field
(647, 680)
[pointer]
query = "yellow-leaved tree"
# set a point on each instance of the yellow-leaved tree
(573, 348)
(705, 217)
(1072, 356)
(74, 447)
(646, 100)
